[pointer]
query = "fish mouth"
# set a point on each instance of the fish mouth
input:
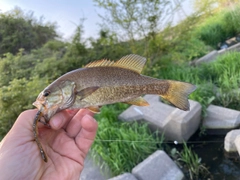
(39, 106)
(47, 113)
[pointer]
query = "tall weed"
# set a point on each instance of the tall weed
(122, 145)
(218, 28)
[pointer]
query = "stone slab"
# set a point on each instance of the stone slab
(229, 141)
(174, 123)
(183, 124)
(221, 118)
(235, 47)
(157, 166)
(207, 58)
(237, 143)
(125, 176)
(214, 54)
(156, 113)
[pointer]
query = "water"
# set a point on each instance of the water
(211, 150)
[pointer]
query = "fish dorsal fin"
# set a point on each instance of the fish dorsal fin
(103, 62)
(132, 62)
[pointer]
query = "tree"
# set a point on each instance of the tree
(138, 21)
(23, 30)
(138, 18)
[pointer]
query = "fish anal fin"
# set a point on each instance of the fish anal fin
(138, 102)
(86, 92)
(178, 93)
(132, 62)
(94, 109)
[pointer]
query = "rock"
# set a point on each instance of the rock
(237, 143)
(207, 58)
(235, 47)
(157, 166)
(125, 176)
(222, 51)
(181, 125)
(155, 113)
(176, 124)
(221, 118)
(229, 141)
(93, 171)
(213, 54)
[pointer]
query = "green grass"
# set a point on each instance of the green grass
(122, 145)
(190, 162)
(221, 26)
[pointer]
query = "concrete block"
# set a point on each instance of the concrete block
(235, 47)
(221, 118)
(183, 124)
(222, 51)
(237, 143)
(155, 113)
(229, 141)
(93, 171)
(213, 54)
(157, 166)
(207, 58)
(174, 123)
(125, 176)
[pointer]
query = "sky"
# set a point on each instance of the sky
(67, 13)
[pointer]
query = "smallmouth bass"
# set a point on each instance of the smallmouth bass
(106, 82)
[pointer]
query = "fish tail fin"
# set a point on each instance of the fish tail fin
(178, 93)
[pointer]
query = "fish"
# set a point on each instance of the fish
(105, 82)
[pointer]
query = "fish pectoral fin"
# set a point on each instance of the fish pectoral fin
(138, 102)
(86, 92)
(94, 109)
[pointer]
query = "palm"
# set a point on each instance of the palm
(66, 148)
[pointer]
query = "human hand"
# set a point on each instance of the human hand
(66, 144)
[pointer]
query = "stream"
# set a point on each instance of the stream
(221, 165)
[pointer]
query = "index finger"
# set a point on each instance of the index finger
(74, 125)
(62, 118)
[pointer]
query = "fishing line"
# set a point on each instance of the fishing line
(155, 142)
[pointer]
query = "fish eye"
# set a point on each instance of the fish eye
(46, 93)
